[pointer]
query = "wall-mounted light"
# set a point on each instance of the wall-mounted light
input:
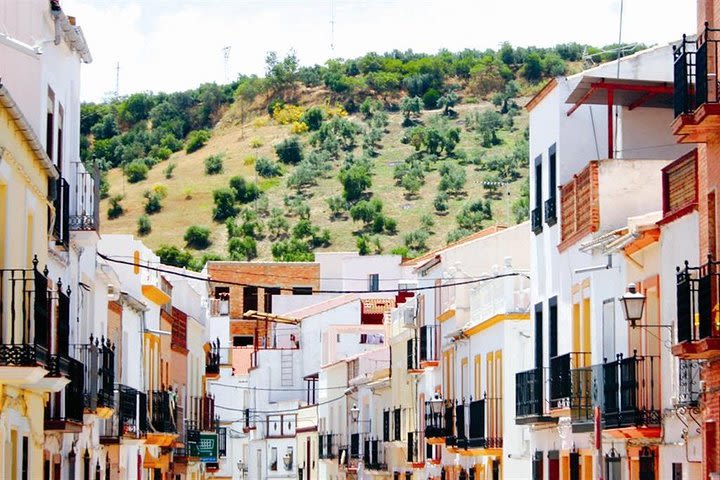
(633, 303)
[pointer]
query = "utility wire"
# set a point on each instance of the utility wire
(270, 412)
(290, 289)
(240, 387)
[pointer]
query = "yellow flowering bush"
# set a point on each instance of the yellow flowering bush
(299, 127)
(287, 114)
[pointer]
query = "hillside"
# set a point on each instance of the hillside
(190, 190)
(400, 152)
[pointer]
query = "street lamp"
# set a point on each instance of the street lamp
(633, 303)
(436, 404)
(355, 413)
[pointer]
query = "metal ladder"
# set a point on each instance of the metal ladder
(286, 368)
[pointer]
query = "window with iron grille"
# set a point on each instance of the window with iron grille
(537, 466)
(396, 424)
(386, 425)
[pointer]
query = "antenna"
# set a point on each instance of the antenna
(332, 25)
(226, 58)
(117, 80)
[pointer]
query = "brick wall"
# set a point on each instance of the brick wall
(711, 417)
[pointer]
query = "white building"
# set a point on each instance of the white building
(599, 141)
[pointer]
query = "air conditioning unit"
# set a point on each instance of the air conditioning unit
(408, 317)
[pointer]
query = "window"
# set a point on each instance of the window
(553, 346)
(537, 466)
(267, 300)
(273, 459)
(608, 325)
(250, 298)
(711, 227)
(302, 290)
(24, 460)
(536, 213)
(373, 282)
(539, 361)
(242, 341)
(61, 114)
(551, 203)
(50, 124)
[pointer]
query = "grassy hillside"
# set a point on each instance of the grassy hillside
(190, 191)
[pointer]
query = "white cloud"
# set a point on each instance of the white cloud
(168, 46)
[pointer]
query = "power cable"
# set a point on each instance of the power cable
(290, 289)
(240, 387)
(270, 412)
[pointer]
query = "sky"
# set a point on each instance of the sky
(171, 45)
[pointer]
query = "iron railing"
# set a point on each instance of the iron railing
(560, 381)
(485, 423)
(85, 203)
(428, 343)
(434, 421)
(201, 413)
(631, 397)
(551, 210)
(25, 321)
(414, 452)
(536, 219)
(529, 393)
(68, 404)
(98, 357)
(327, 446)
(450, 437)
(374, 455)
(587, 393)
(413, 362)
(163, 411)
(696, 71)
(212, 359)
(355, 445)
(698, 292)
(129, 418)
(689, 384)
(397, 415)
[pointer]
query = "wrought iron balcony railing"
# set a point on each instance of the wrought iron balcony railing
(560, 384)
(587, 393)
(484, 425)
(434, 421)
(129, 418)
(529, 393)
(695, 71)
(428, 341)
(536, 220)
(212, 359)
(415, 451)
(551, 210)
(327, 446)
(68, 404)
(698, 293)
(374, 455)
(450, 436)
(98, 357)
(631, 396)
(163, 411)
(84, 204)
(201, 413)
(25, 317)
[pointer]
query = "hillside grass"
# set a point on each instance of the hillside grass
(234, 142)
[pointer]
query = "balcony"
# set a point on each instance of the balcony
(374, 455)
(98, 359)
(551, 211)
(327, 446)
(481, 426)
(630, 397)
(561, 386)
(61, 205)
(450, 437)
(536, 220)
(64, 409)
(212, 360)
(434, 424)
(129, 419)
(428, 341)
(163, 418)
(579, 206)
(529, 398)
(201, 413)
(698, 292)
(586, 393)
(696, 91)
(25, 325)
(415, 451)
(84, 205)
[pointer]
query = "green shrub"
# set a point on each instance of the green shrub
(153, 202)
(290, 150)
(214, 164)
(136, 171)
(277, 223)
(161, 153)
(337, 206)
(196, 140)
(197, 237)
(245, 192)
(441, 203)
(416, 240)
(115, 210)
(224, 199)
(273, 104)
(267, 168)
(457, 234)
(256, 142)
(292, 250)
(172, 255)
(355, 180)
(144, 226)
(473, 214)
(242, 248)
(430, 99)
(169, 170)
(170, 142)
(313, 117)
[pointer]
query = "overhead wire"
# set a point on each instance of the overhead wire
(290, 289)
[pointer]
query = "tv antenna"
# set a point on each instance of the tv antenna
(226, 58)
(332, 25)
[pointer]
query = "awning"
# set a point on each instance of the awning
(627, 93)
(151, 461)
